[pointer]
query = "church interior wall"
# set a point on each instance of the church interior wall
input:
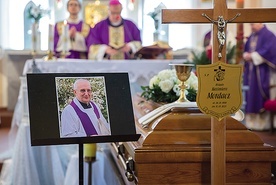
(128, 13)
(60, 13)
(3, 85)
(269, 4)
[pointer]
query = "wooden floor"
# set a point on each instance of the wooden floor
(5, 125)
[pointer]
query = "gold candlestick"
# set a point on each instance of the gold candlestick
(183, 72)
(33, 53)
(34, 68)
(63, 54)
(49, 56)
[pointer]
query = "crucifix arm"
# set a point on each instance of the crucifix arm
(237, 15)
(184, 15)
(221, 20)
(221, 26)
(205, 15)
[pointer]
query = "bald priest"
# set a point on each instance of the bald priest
(114, 37)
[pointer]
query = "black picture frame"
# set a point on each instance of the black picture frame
(44, 110)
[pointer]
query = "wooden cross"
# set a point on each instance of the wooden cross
(198, 16)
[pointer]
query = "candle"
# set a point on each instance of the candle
(51, 38)
(90, 150)
(65, 34)
(34, 37)
(239, 45)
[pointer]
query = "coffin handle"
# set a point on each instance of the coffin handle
(130, 169)
(130, 176)
(128, 164)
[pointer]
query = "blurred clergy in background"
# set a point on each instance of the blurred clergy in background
(114, 37)
(71, 36)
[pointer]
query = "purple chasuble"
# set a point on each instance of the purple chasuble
(257, 78)
(207, 39)
(73, 53)
(100, 33)
(86, 122)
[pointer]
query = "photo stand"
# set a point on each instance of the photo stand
(45, 124)
(81, 167)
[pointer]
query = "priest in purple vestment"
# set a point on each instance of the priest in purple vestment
(83, 117)
(259, 74)
(71, 36)
(114, 37)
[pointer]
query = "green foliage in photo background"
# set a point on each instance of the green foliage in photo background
(65, 92)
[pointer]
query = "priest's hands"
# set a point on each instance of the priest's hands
(72, 33)
(247, 56)
(126, 48)
(110, 51)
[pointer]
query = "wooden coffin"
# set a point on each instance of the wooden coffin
(175, 148)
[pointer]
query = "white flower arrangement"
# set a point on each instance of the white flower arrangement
(156, 14)
(36, 13)
(164, 87)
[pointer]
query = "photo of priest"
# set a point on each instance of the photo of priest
(82, 117)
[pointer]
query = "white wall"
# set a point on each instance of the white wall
(3, 41)
(270, 4)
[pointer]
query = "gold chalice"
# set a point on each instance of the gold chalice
(183, 72)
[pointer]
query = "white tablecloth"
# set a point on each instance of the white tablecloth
(140, 71)
(57, 165)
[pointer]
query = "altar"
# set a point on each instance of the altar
(140, 71)
(13, 62)
(58, 164)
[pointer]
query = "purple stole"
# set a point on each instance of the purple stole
(86, 122)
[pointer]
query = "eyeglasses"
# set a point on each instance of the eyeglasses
(85, 90)
(73, 4)
(115, 13)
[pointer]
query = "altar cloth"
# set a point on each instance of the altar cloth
(140, 71)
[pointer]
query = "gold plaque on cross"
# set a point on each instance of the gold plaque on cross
(219, 89)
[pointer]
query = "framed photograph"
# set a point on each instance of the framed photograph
(77, 95)
(76, 108)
